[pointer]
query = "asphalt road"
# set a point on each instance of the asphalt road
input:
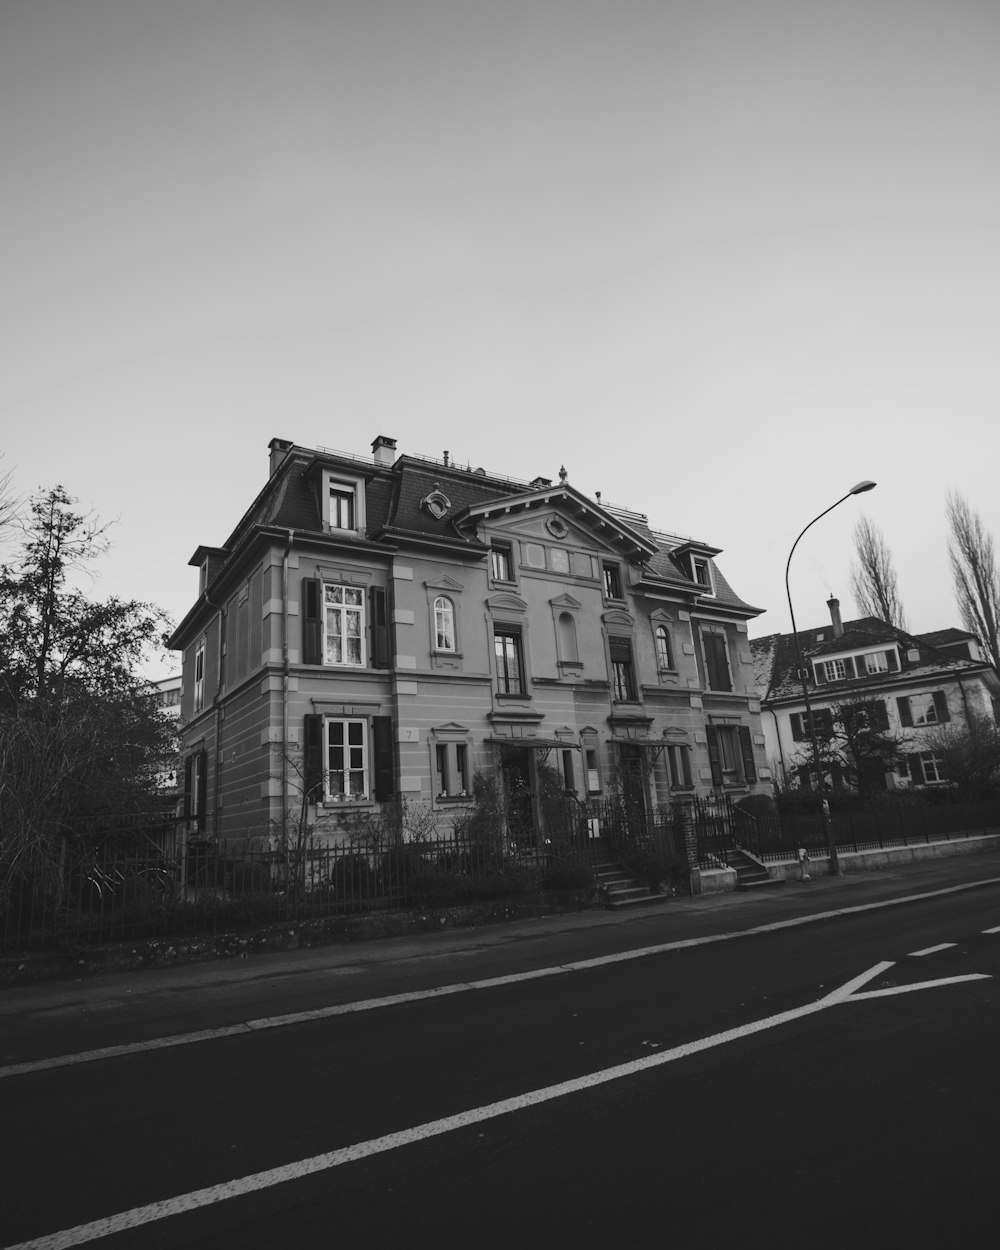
(722, 1072)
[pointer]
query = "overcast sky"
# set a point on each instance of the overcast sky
(722, 259)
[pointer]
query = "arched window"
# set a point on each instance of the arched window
(444, 624)
(568, 648)
(664, 651)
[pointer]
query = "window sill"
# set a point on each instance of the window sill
(452, 800)
(339, 805)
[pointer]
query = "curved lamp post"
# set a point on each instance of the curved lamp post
(831, 844)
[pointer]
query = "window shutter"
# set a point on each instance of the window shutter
(385, 784)
(312, 633)
(796, 722)
(850, 671)
(820, 672)
(916, 770)
(905, 715)
(380, 627)
(746, 745)
(313, 757)
(824, 722)
(879, 716)
(714, 758)
(188, 769)
(941, 706)
(892, 661)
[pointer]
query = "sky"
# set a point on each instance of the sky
(721, 260)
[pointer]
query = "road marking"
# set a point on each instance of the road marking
(849, 992)
(933, 950)
(994, 930)
(393, 1000)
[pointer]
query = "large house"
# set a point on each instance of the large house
(389, 625)
(917, 684)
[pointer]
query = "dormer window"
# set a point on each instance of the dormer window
(701, 572)
(343, 503)
(834, 670)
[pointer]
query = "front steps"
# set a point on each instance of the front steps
(751, 873)
(618, 887)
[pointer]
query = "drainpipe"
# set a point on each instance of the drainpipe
(217, 770)
(284, 687)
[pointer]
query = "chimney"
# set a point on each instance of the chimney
(838, 624)
(384, 451)
(279, 449)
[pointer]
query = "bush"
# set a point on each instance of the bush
(563, 876)
(654, 870)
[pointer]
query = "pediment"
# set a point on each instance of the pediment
(536, 528)
(452, 727)
(506, 602)
(444, 583)
(566, 601)
(542, 511)
(624, 620)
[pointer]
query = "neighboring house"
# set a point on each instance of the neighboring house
(386, 626)
(923, 682)
(168, 699)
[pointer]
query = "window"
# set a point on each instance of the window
(730, 754)
(715, 652)
(501, 568)
(341, 507)
(568, 772)
(343, 625)
(622, 670)
(702, 573)
(509, 660)
(928, 767)
(593, 771)
(612, 581)
(347, 759)
(194, 792)
(444, 624)
(924, 709)
(679, 763)
(451, 770)
(664, 651)
(199, 676)
(835, 670)
(877, 663)
(822, 718)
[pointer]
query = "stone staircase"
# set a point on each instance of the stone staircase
(750, 872)
(619, 888)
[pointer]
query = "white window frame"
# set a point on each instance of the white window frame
(444, 625)
(876, 662)
(343, 484)
(503, 551)
(451, 770)
(934, 761)
(703, 562)
(343, 611)
(664, 654)
(199, 676)
(835, 670)
(358, 726)
(930, 713)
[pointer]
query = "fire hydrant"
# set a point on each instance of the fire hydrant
(804, 862)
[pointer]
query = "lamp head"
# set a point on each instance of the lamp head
(861, 488)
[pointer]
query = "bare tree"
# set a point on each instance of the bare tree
(873, 577)
(974, 570)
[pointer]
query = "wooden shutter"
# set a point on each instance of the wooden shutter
(892, 661)
(851, 670)
(714, 757)
(879, 716)
(916, 770)
(312, 631)
(312, 754)
(905, 715)
(383, 761)
(796, 722)
(941, 706)
(819, 669)
(746, 746)
(378, 611)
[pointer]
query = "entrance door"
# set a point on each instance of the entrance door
(633, 783)
(515, 775)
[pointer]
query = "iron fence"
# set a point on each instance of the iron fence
(721, 828)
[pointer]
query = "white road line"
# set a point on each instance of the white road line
(241, 1186)
(371, 1004)
(933, 950)
(993, 930)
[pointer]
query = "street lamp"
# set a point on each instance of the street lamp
(831, 844)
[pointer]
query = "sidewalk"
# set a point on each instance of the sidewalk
(356, 969)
